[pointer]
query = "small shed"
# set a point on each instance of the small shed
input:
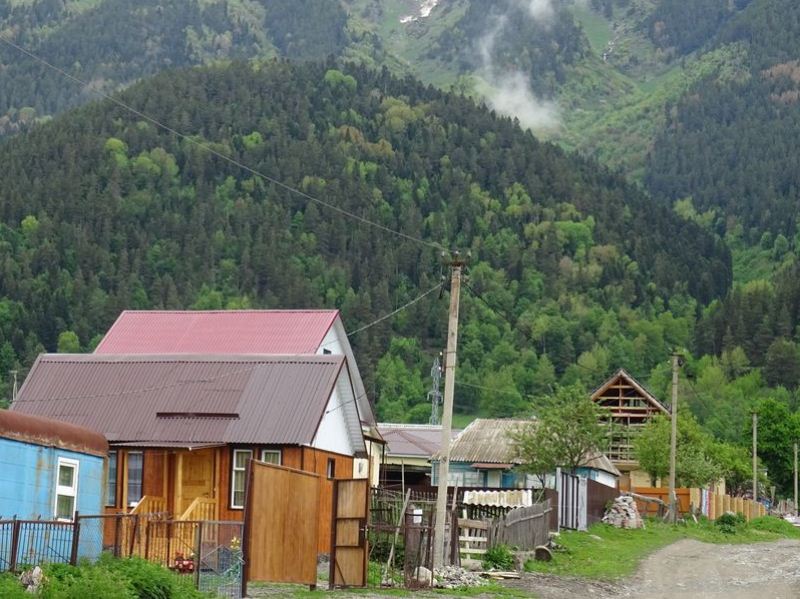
(49, 469)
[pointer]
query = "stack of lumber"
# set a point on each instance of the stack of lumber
(623, 513)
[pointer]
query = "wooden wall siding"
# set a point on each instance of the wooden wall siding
(153, 472)
(282, 540)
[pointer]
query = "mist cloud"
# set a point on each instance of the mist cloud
(509, 91)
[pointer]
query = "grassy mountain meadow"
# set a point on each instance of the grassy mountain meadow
(622, 171)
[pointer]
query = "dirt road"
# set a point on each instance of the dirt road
(692, 569)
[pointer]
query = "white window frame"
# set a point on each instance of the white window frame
(234, 472)
(71, 491)
(277, 452)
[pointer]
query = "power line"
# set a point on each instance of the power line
(219, 154)
(400, 309)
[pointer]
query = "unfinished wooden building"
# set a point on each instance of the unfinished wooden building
(628, 406)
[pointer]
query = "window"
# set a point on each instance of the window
(238, 475)
(326, 352)
(331, 468)
(111, 483)
(271, 456)
(66, 488)
(135, 467)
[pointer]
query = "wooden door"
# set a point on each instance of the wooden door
(349, 547)
(194, 478)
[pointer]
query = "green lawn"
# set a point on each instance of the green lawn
(610, 553)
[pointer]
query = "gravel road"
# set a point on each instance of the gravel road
(692, 569)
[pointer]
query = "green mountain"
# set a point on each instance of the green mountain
(103, 211)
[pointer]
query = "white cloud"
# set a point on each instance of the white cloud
(540, 10)
(511, 95)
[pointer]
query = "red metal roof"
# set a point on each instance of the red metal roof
(184, 398)
(51, 433)
(218, 332)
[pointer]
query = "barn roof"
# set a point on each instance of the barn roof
(640, 389)
(217, 331)
(51, 433)
(189, 399)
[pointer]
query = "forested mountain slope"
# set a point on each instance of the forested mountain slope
(103, 211)
(112, 43)
(734, 146)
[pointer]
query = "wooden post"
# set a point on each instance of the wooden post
(76, 536)
(12, 561)
(456, 264)
(198, 546)
(755, 456)
(673, 444)
(117, 526)
(796, 512)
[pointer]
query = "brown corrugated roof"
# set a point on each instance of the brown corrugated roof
(51, 433)
(184, 398)
(412, 440)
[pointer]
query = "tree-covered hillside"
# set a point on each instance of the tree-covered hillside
(734, 145)
(103, 211)
(112, 43)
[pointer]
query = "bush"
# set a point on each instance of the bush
(87, 582)
(498, 557)
(149, 580)
(729, 522)
(10, 588)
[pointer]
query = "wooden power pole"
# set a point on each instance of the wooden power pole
(456, 266)
(796, 511)
(673, 441)
(755, 456)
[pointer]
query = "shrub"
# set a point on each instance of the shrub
(10, 588)
(498, 557)
(728, 522)
(149, 580)
(87, 582)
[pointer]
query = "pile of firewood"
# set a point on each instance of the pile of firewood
(623, 513)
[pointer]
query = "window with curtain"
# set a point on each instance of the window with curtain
(135, 471)
(111, 483)
(271, 456)
(238, 476)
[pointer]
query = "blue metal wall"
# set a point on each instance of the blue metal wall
(27, 487)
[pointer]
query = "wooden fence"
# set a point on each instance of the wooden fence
(700, 502)
(524, 528)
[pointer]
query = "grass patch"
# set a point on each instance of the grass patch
(610, 553)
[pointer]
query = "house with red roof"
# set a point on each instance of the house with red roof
(258, 332)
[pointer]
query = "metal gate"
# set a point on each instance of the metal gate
(569, 500)
(349, 546)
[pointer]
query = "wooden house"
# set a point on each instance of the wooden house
(182, 428)
(239, 332)
(629, 406)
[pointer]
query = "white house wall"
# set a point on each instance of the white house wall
(340, 429)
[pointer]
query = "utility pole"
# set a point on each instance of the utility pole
(796, 511)
(755, 456)
(673, 441)
(456, 266)
(14, 387)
